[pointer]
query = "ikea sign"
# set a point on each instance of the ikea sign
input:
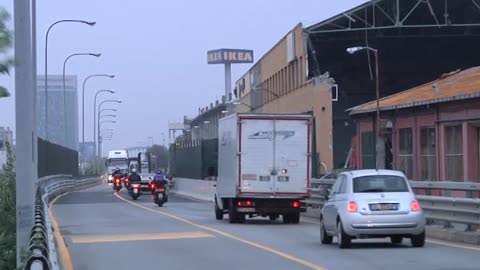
(234, 56)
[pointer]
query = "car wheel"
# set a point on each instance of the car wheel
(396, 239)
(218, 211)
(344, 240)
(324, 237)
(418, 240)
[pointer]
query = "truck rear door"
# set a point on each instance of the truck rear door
(291, 156)
(256, 155)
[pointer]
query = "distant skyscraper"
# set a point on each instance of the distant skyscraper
(86, 152)
(59, 132)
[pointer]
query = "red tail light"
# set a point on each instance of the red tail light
(117, 180)
(415, 206)
(239, 203)
(127, 179)
(352, 207)
(296, 204)
(161, 189)
(136, 185)
(248, 203)
(152, 186)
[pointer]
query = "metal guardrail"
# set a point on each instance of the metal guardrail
(42, 245)
(436, 208)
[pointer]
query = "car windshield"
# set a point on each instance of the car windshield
(379, 183)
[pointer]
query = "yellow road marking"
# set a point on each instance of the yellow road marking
(231, 236)
(62, 248)
(138, 237)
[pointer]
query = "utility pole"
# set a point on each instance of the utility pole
(26, 134)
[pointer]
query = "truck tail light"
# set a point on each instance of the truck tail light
(415, 206)
(352, 207)
(296, 204)
(239, 203)
(248, 203)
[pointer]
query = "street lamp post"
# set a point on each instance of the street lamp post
(353, 50)
(95, 116)
(100, 138)
(46, 64)
(64, 90)
(100, 110)
(83, 107)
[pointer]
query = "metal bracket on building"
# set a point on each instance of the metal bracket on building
(335, 90)
(389, 14)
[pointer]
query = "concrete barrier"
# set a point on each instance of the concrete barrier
(194, 188)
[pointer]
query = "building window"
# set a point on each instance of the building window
(453, 153)
(428, 153)
(405, 156)
(368, 161)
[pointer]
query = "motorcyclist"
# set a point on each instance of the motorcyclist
(117, 173)
(135, 177)
(160, 180)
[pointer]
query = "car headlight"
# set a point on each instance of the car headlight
(110, 177)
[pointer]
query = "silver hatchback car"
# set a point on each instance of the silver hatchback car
(371, 204)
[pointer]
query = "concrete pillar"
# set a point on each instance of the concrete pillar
(26, 135)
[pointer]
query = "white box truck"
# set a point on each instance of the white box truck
(117, 159)
(264, 163)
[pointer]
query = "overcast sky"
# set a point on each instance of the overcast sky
(157, 50)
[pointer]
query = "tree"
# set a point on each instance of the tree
(8, 212)
(158, 156)
(5, 45)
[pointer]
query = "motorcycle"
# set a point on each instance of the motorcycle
(160, 196)
(127, 182)
(117, 184)
(134, 191)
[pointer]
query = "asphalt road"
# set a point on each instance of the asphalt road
(103, 230)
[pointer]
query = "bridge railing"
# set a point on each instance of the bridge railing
(42, 244)
(446, 210)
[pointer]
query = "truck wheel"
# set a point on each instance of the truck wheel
(241, 218)
(273, 217)
(232, 213)
(286, 219)
(218, 211)
(295, 218)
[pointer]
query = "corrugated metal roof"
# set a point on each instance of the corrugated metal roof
(455, 85)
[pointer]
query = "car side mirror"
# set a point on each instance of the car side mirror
(324, 193)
